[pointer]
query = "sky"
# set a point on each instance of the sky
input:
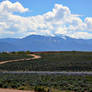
(82, 7)
(20, 18)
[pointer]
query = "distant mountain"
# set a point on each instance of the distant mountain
(5, 46)
(45, 43)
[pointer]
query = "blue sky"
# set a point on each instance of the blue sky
(20, 18)
(83, 7)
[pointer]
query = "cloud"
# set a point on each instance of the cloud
(58, 21)
(7, 6)
(88, 22)
(58, 13)
(81, 35)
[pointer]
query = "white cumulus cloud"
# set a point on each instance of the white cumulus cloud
(7, 6)
(58, 21)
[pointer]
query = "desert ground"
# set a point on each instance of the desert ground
(12, 90)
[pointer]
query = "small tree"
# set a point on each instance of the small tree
(27, 52)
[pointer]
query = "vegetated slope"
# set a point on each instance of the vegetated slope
(45, 83)
(47, 43)
(14, 56)
(54, 61)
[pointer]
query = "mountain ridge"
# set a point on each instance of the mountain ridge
(45, 43)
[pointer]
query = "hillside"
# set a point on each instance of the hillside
(49, 61)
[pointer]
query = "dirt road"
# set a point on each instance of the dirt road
(34, 57)
(48, 72)
(12, 90)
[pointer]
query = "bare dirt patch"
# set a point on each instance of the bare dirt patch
(12, 90)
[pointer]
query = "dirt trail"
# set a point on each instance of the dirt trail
(34, 57)
(12, 90)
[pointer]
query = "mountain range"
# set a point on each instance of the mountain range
(45, 43)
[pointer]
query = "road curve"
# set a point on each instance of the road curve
(47, 72)
(34, 57)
